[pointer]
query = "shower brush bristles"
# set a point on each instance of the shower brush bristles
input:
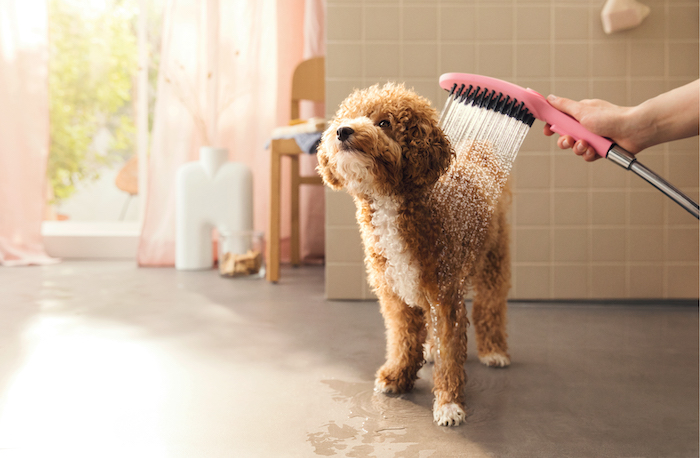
(473, 98)
(476, 113)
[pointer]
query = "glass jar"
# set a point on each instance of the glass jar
(241, 254)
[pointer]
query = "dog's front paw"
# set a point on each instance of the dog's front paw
(391, 380)
(382, 386)
(495, 359)
(449, 414)
(387, 386)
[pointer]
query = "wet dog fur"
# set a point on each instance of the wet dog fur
(385, 148)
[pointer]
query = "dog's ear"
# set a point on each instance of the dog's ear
(325, 168)
(427, 155)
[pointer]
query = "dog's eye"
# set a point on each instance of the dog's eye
(384, 123)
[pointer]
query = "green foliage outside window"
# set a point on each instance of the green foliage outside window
(93, 62)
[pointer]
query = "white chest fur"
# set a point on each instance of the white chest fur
(402, 270)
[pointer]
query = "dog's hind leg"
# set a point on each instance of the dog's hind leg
(491, 284)
(405, 335)
(449, 319)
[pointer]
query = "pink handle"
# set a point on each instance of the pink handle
(560, 122)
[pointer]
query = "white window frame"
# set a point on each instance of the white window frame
(111, 239)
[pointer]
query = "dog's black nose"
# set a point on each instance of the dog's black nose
(344, 132)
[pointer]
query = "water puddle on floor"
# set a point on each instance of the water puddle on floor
(376, 424)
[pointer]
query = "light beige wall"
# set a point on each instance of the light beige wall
(579, 230)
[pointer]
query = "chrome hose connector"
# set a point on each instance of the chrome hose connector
(621, 157)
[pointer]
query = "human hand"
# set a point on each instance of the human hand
(598, 116)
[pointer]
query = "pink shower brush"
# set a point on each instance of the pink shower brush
(491, 94)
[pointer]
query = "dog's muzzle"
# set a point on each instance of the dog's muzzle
(344, 132)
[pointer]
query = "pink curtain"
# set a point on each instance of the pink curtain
(312, 198)
(260, 43)
(24, 130)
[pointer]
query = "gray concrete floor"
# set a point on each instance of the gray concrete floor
(102, 359)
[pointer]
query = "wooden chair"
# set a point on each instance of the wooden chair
(308, 83)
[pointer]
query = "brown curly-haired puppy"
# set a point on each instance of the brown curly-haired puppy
(430, 227)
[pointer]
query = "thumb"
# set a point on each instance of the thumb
(568, 106)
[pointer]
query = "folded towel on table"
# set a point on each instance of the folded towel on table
(306, 134)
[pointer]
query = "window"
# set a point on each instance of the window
(103, 63)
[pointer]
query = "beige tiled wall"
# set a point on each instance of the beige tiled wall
(580, 230)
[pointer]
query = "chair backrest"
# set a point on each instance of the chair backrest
(308, 83)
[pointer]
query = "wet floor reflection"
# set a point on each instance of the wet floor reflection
(389, 426)
(80, 391)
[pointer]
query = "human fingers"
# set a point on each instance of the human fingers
(565, 142)
(548, 130)
(583, 149)
(568, 106)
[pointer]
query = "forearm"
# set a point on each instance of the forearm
(670, 116)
